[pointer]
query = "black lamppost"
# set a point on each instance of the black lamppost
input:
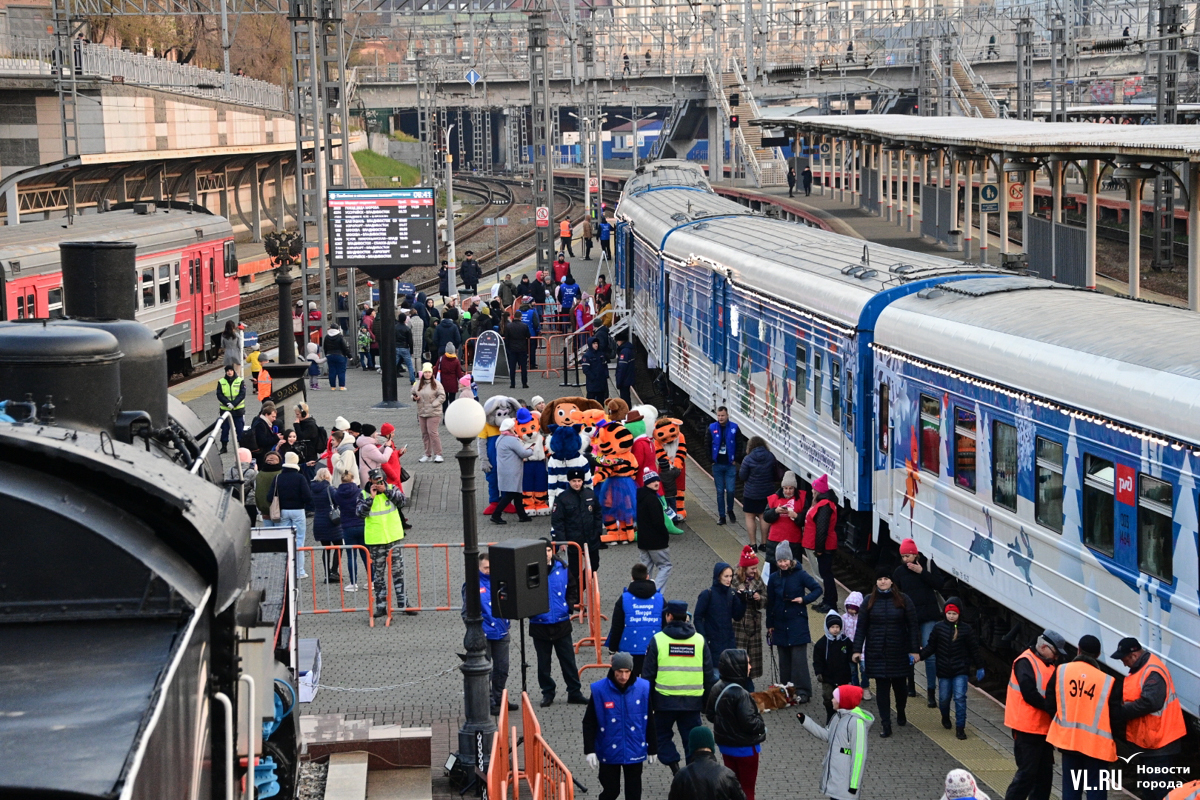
(284, 248)
(465, 420)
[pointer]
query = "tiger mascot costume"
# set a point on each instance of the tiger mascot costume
(615, 485)
(670, 451)
(535, 485)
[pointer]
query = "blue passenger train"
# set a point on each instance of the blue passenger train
(1035, 439)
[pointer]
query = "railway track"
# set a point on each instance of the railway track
(259, 308)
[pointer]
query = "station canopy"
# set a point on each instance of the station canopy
(1072, 139)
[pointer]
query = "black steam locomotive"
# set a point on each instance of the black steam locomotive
(147, 640)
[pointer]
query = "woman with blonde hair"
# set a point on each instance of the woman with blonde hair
(429, 395)
(325, 529)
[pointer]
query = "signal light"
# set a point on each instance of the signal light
(733, 120)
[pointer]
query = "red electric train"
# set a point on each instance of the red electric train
(187, 272)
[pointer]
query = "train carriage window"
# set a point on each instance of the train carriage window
(816, 368)
(1048, 498)
(885, 409)
(802, 375)
(850, 405)
(164, 284)
(212, 274)
(931, 437)
(31, 305)
(1004, 465)
(176, 280)
(148, 287)
(231, 264)
(21, 307)
(54, 303)
(964, 448)
(1155, 509)
(835, 390)
(1098, 500)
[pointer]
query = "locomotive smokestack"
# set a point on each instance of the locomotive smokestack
(99, 279)
(100, 291)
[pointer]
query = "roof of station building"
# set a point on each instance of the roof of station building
(1166, 142)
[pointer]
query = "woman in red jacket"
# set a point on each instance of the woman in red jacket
(785, 515)
(449, 372)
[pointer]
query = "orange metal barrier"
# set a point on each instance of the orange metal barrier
(341, 585)
(452, 602)
(544, 773)
(595, 637)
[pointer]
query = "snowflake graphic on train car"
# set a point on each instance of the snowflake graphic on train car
(981, 546)
(1023, 560)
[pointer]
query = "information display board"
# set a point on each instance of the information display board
(383, 231)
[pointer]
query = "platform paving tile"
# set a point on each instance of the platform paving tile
(416, 656)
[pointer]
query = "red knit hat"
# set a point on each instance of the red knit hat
(847, 696)
(387, 429)
(748, 558)
(908, 548)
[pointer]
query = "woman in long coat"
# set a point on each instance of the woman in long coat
(511, 453)
(888, 638)
(325, 530)
(749, 629)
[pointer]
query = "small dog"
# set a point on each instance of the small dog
(773, 698)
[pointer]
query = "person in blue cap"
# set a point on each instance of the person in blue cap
(679, 668)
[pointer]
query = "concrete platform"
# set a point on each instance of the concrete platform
(407, 674)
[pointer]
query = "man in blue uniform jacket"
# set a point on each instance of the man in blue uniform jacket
(618, 729)
(551, 634)
(496, 631)
(636, 617)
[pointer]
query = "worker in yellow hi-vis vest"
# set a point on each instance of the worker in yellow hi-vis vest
(680, 669)
(379, 507)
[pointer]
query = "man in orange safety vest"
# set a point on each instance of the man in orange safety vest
(1153, 717)
(1026, 713)
(1082, 697)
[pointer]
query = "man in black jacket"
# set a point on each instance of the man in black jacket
(516, 346)
(576, 517)
(263, 437)
(625, 367)
(653, 541)
(470, 273)
(738, 725)
(446, 332)
(920, 581)
(705, 778)
(595, 367)
(404, 346)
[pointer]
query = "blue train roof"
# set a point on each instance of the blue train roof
(1128, 361)
(829, 273)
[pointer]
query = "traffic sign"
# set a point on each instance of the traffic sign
(1016, 196)
(543, 217)
(593, 184)
(989, 199)
(473, 77)
(501, 222)
(825, 150)
(489, 221)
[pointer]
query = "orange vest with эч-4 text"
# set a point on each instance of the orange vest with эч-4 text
(1081, 723)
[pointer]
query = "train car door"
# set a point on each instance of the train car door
(195, 267)
(720, 334)
(883, 437)
(664, 318)
(622, 271)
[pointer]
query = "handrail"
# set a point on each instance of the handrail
(718, 89)
(978, 83)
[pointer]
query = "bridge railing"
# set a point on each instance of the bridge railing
(20, 55)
